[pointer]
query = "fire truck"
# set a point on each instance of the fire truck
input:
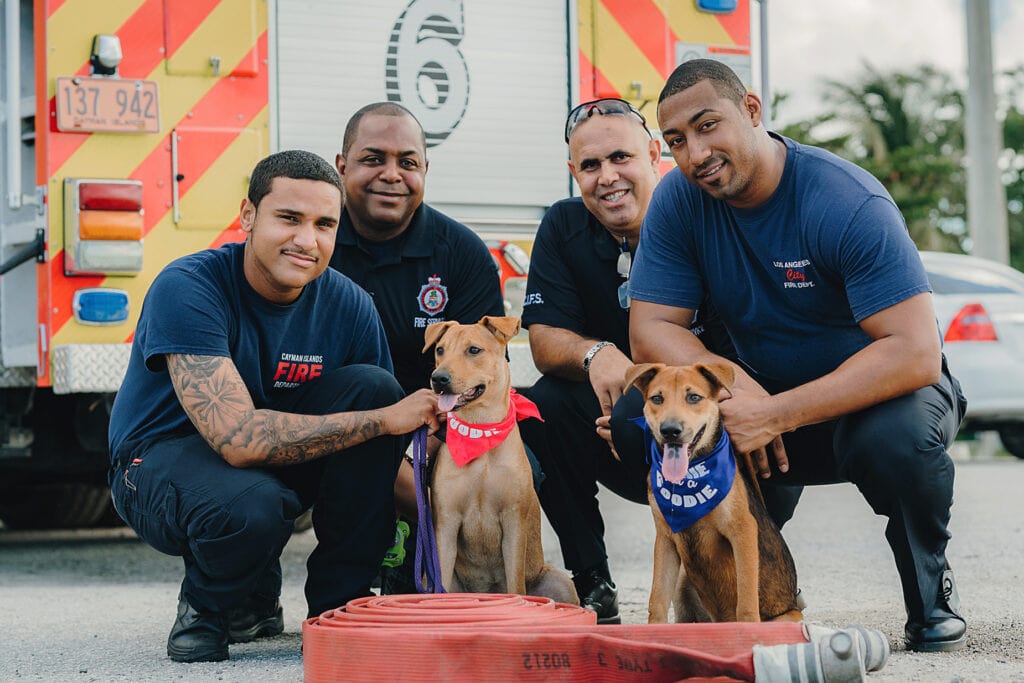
(129, 127)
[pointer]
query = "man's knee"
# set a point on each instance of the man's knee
(627, 436)
(353, 387)
(371, 386)
(555, 398)
(888, 447)
(227, 539)
(780, 501)
(568, 410)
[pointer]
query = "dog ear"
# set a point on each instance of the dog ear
(434, 332)
(641, 375)
(502, 328)
(721, 375)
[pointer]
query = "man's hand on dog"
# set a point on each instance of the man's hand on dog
(412, 412)
(749, 420)
(607, 370)
(603, 425)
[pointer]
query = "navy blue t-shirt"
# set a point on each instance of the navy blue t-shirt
(574, 281)
(792, 278)
(437, 270)
(202, 304)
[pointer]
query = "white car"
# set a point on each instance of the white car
(980, 308)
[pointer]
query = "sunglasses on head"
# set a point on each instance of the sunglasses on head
(606, 106)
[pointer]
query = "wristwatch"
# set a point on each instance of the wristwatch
(587, 359)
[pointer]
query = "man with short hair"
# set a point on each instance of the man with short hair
(838, 361)
(578, 318)
(419, 265)
(260, 385)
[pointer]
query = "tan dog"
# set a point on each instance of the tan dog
(732, 564)
(486, 512)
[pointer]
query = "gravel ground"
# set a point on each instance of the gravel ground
(97, 605)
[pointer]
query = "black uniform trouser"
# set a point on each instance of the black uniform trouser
(574, 458)
(894, 453)
(230, 524)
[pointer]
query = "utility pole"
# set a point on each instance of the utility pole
(766, 94)
(986, 196)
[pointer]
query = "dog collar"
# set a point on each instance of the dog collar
(467, 442)
(707, 481)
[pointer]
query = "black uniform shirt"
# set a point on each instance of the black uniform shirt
(437, 270)
(573, 282)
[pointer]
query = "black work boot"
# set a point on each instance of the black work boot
(255, 618)
(944, 630)
(597, 593)
(197, 636)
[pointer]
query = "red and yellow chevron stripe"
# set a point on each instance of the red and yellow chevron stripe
(218, 118)
(627, 47)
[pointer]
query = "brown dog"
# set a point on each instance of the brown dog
(731, 564)
(486, 512)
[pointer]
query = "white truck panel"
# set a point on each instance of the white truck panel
(496, 158)
(20, 214)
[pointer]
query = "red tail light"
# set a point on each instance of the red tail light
(98, 195)
(971, 324)
(103, 226)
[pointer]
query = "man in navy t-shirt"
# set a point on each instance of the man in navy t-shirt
(259, 385)
(840, 373)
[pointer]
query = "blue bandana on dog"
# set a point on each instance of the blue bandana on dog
(707, 481)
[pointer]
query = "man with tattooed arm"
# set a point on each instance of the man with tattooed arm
(259, 384)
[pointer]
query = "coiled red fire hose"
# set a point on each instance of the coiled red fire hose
(495, 637)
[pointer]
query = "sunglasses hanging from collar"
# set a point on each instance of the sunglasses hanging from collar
(623, 266)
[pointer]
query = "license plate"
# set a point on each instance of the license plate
(107, 105)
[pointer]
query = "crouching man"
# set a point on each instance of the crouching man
(259, 385)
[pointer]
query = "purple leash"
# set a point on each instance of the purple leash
(426, 544)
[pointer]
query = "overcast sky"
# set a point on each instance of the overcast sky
(814, 39)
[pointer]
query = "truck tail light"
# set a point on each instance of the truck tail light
(717, 6)
(100, 306)
(110, 196)
(971, 323)
(516, 257)
(513, 264)
(514, 291)
(110, 225)
(103, 224)
(509, 258)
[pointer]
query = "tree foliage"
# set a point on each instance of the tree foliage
(907, 129)
(1013, 164)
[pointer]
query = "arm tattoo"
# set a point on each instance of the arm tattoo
(217, 401)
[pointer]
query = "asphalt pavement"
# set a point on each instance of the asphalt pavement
(97, 605)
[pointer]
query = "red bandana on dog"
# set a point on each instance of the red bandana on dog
(467, 442)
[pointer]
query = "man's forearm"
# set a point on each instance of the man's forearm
(904, 356)
(883, 370)
(560, 352)
(660, 341)
(275, 439)
(663, 341)
(218, 404)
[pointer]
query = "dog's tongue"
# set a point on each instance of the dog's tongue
(675, 462)
(445, 402)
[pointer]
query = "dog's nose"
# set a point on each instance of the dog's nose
(671, 431)
(441, 381)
